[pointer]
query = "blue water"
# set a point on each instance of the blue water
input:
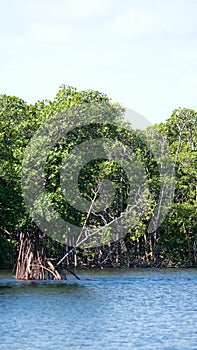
(109, 309)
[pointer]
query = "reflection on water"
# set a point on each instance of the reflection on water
(108, 309)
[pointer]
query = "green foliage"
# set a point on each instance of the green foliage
(20, 121)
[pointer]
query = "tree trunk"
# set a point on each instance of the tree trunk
(33, 264)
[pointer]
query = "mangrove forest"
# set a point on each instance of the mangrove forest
(36, 253)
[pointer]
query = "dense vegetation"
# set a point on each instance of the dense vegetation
(172, 243)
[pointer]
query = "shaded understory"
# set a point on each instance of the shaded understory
(37, 256)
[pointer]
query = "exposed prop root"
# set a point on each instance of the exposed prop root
(33, 264)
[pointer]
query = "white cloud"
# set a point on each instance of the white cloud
(87, 8)
(185, 54)
(10, 41)
(169, 19)
(63, 9)
(45, 9)
(51, 33)
(131, 23)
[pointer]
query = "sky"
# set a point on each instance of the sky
(141, 53)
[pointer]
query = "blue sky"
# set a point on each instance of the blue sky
(141, 53)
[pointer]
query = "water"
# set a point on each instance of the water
(109, 309)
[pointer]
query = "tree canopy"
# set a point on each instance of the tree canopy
(173, 241)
